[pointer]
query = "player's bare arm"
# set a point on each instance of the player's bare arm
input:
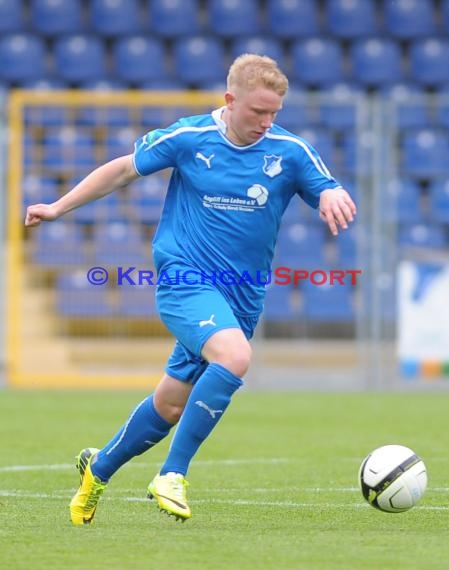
(98, 183)
(336, 209)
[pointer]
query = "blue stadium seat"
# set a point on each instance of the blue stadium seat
(154, 116)
(199, 61)
(59, 244)
(138, 301)
(137, 59)
(45, 84)
(375, 61)
(77, 298)
(39, 189)
(346, 245)
(68, 149)
(112, 116)
(410, 104)
(442, 105)
(384, 289)
(292, 19)
(348, 19)
(403, 202)
(293, 213)
(281, 304)
(120, 244)
(174, 18)
(298, 212)
(421, 236)
(233, 18)
(316, 62)
(295, 114)
(301, 246)
(429, 61)
(270, 46)
(104, 84)
(167, 83)
(30, 152)
(112, 18)
(80, 58)
(106, 209)
(424, 153)
(439, 200)
(407, 19)
(147, 197)
(12, 16)
(328, 303)
(444, 16)
(119, 141)
(56, 17)
(356, 150)
(44, 115)
(338, 105)
(22, 58)
(323, 142)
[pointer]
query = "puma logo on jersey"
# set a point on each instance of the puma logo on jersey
(210, 321)
(201, 156)
(212, 412)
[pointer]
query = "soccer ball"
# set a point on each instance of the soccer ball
(393, 478)
(259, 193)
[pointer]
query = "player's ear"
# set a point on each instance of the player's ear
(229, 99)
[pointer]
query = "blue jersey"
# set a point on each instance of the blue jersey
(225, 202)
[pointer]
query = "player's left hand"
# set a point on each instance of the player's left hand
(336, 209)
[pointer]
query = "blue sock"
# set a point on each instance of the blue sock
(143, 429)
(207, 402)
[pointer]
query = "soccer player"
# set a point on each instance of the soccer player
(234, 173)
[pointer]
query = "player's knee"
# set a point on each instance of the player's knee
(230, 350)
(239, 363)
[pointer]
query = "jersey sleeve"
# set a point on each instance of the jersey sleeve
(313, 176)
(157, 150)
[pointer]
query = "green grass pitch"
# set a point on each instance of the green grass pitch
(274, 487)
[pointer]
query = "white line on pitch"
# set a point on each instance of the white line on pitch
(66, 466)
(242, 502)
(235, 503)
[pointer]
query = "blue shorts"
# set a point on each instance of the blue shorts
(193, 313)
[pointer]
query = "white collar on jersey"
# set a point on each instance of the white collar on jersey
(216, 115)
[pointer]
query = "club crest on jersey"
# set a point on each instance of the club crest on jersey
(272, 165)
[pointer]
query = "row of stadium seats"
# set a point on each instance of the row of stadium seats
(310, 302)
(344, 19)
(284, 304)
(122, 244)
(334, 108)
(72, 151)
(201, 61)
(406, 200)
(76, 298)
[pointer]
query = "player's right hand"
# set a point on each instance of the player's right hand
(40, 213)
